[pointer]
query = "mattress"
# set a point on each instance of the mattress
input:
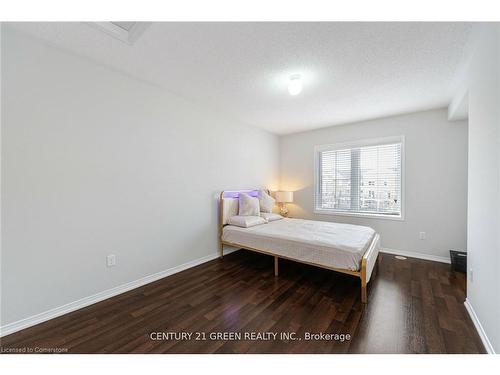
(328, 244)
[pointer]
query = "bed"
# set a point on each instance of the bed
(345, 248)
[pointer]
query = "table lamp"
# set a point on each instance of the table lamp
(284, 197)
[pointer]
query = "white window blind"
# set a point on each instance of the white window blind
(361, 179)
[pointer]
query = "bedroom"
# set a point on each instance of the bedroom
(250, 187)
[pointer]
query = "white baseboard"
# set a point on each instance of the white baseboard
(98, 297)
(479, 327)
(411, 254)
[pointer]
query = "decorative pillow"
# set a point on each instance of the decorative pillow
(248, 206)
(270, 216)
(266, 202)
(246, 221)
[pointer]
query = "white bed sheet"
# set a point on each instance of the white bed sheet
(324, 243)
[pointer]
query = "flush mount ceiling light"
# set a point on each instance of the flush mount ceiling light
(295, 84)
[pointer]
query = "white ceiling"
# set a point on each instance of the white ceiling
(351, 71)
(127, 26)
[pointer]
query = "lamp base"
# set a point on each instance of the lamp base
(283, 210)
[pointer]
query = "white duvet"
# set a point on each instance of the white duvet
(323, 243)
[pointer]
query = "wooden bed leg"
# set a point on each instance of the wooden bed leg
(276, 266)
(363, 281)
(363, 292)
(221, 250)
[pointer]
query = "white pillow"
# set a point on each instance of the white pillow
(266, 202)
(246, 221)
(248, 206)
(270, 216)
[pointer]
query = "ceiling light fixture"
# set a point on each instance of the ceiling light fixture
(295, 84)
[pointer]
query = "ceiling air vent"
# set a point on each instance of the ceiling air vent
(127, 32)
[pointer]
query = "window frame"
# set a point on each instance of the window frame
(353, 144)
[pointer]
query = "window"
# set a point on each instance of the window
(362, 178)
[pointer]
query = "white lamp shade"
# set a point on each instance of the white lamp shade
(284, 196)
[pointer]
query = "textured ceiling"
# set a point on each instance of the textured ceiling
(351, 71)
(124, 25)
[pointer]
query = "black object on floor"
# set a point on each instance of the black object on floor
(458, 261)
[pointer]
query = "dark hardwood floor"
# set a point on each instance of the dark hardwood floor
(414, 306)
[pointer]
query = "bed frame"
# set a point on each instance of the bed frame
(368, 262)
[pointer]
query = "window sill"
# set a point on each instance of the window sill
(360, 215)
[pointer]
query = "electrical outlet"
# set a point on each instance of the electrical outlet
(422, 236)
(471, 275)
(111, 260)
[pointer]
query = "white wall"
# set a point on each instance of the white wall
(482, 82)
(435, 179)
(94, 163)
